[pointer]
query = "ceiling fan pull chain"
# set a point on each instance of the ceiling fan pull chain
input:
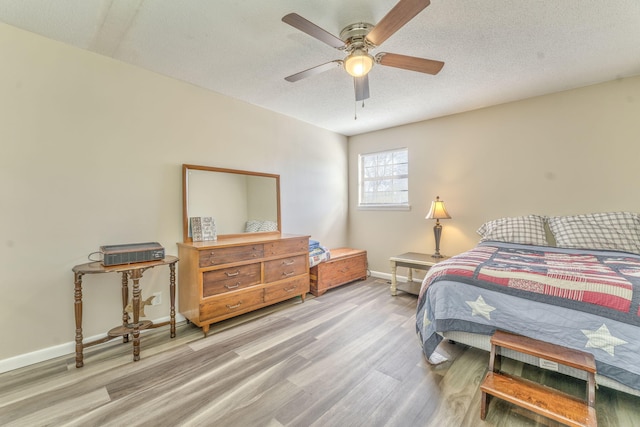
(355, 109)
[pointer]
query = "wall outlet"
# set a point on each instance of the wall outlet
(158, 298)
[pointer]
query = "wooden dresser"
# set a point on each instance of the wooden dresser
(236, 275)
(345, 265)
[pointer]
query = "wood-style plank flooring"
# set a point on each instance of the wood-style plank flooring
(347, 358)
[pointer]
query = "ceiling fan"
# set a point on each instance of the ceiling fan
(356, 40)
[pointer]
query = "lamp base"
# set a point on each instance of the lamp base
(437, 232)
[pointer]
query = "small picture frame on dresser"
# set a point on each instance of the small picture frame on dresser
(203, 228)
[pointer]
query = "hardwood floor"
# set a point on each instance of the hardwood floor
(347, 358)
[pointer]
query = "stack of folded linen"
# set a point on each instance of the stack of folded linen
(317, 253)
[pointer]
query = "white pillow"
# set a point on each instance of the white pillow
(525, 230)
(252, 226)
(269, 226)
(619, 231)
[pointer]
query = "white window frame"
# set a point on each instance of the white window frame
(387, 171)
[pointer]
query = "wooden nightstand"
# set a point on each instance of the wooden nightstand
(410, 260)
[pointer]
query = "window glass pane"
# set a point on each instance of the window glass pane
(384, 178)
(401, 185)
(401, 156)
(402, 169)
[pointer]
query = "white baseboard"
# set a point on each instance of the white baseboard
(380, 275)
(387, 276)
(44, 354)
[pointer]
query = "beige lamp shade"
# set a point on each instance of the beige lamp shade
(438, 211)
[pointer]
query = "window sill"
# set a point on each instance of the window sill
(384, 207)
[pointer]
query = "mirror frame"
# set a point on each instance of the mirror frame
(185, 197)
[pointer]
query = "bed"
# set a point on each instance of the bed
(571, 280)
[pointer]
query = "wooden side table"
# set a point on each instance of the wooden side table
(133, 272)
(410, 260)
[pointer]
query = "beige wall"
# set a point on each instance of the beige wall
(90, 154)
(566, 153)
(91, 150)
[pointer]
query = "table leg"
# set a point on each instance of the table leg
(125, 302)
(394, 280)
(77, 308)
(172, 296)
(135, 277)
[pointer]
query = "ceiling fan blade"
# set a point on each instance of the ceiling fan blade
(312, 29)
(313, 71)
(421, 65)
(397, 17)
(362, 87)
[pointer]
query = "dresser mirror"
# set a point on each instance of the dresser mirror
(240, 202)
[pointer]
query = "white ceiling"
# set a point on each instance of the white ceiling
(495, 51)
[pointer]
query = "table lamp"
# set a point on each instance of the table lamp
(437, 212)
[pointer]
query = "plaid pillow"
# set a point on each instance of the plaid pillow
(618, 231)
(526, 230)
(252, 226)
(269, 226)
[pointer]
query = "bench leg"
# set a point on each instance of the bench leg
(484, 403)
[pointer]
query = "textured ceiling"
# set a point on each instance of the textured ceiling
(495, 51)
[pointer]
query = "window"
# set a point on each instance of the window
(384, 179)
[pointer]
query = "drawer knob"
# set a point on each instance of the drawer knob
(291, 289)
(289, 262)
(232, 274)
(291, 273)
(237, 285)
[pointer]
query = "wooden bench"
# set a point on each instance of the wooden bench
(344, 266)
(535, 397)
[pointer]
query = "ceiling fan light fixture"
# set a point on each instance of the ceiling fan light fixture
(358, 63)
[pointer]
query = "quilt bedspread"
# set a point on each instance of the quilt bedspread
(588, 300)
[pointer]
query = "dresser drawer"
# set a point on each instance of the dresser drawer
(224, 305)
(229, 279)
(287, 246)
(220, 256)
(285, 268)
(287, 289)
